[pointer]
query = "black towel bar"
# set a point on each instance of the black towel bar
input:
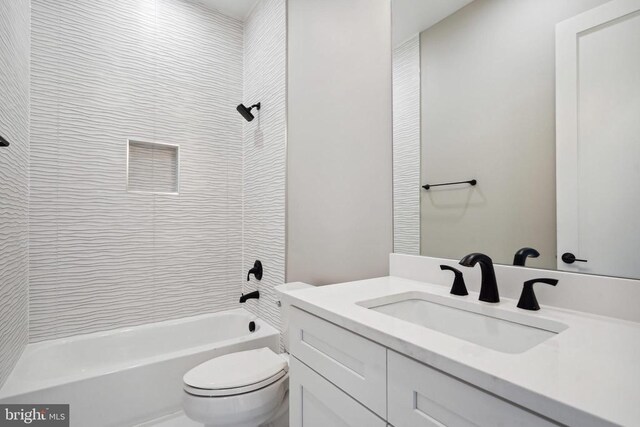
(471, 182)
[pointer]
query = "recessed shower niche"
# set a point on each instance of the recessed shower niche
(153, 167)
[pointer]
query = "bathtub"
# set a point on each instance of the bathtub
(127, 376)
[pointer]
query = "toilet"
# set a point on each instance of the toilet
(243, 389)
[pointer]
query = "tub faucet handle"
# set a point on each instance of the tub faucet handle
(256, 271)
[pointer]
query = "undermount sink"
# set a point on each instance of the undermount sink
(490, 327)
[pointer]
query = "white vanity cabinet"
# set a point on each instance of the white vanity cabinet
(338, 378)
(353, 363)
(315, 402)
(420, 396)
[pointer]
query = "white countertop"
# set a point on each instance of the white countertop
(587, 375)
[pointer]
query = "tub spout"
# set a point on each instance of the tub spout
(250, 295)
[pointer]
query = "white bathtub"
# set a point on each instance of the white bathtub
(126, 376)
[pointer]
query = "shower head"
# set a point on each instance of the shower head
(246, 112)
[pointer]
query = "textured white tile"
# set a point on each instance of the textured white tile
(14, 179)
(105, 71)
(406, 147)
(264, 145)
(158, 70)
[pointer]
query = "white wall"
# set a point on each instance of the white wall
(488, 112)
(264, 160)
(406, 147)
(339, 177)
(104, 71)
(14, 179)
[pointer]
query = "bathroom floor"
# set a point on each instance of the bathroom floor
(178, 419)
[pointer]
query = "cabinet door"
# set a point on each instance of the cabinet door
(420, 396)
(353, 363)
(315, 402)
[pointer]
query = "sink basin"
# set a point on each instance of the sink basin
(481, 324)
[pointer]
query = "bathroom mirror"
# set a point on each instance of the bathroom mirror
(537, 103)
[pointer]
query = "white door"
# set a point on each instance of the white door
(598, 140)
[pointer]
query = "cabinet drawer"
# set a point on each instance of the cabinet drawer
(351, 362)
(422, 396)
(315, 402)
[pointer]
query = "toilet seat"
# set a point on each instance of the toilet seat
(203, 392)
(236, 373)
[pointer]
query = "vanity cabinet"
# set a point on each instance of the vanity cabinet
(315, 402)
(420, 396)
(339, 378)
(353, 363)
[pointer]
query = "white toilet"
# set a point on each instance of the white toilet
(243, 389)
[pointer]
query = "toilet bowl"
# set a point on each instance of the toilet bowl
(243, 389)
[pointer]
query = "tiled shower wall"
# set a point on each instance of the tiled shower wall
(104, 71)
(14, 181)
(264, 145)
(406, 147)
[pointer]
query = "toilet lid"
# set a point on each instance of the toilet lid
(245, 370)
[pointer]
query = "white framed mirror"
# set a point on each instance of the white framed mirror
(538, 102)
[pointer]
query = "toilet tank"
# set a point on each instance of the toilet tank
(283, 292)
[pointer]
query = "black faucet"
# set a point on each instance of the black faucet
(488, 287)
(256, 271)
(458, 287)
(528, 299)
(521, 256)
(250, 295)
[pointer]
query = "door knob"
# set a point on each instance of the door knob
(570, 258)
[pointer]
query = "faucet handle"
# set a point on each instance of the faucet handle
(458, 287)
(256, 271)
(528, 299)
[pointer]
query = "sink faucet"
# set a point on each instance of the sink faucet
(521, 256)
(528, 300)
(488, 287)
